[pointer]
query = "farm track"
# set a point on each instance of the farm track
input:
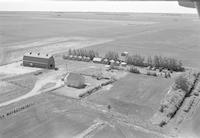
(36, 90)
(89, 132)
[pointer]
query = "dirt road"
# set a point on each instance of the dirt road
(45, 79)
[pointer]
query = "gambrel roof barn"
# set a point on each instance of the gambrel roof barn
(39, 60)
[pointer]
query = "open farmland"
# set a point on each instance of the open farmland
(133, 98)
(176, 36)
(134, 95)
(15, 87)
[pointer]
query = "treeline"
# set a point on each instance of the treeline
(136, 60)
(16, 110)
(165, 62)
(156, 61)
(84, 53)
(112, 55)
(134, 70)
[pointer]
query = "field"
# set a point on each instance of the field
(176, 36)
(136, 95)
(15, 87)
(132, 96)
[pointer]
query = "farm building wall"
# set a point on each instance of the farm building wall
(40, 62)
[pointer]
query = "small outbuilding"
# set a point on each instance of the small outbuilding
(80, 58)
(97, 60)
(39, 60)
(117, 63)
(105, 61)
(75, 80)
(124, 54)
(123, 64)
(112, 62)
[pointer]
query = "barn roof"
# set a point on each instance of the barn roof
(38, 55)
(97, 59)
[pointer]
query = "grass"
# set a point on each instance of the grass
(134, 92)
(16, 86)
(42, 118)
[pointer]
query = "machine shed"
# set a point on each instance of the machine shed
(38, 60)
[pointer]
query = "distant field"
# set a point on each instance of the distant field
(146, 34)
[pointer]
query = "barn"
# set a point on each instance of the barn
(38, 60)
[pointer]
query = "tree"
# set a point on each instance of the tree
(70, 52)
(149, 61)
(112, 55)
(109, 107)
(135, 60)
(134, 70)
(182, 83)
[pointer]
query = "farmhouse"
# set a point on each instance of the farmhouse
(75, 80)
(38, 60)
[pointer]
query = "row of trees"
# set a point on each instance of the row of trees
(165, 62)
(134, 70)
(112, 55)
(84, 53)
(136, 60)
(156, 61)
(91, 53)
(16, 110)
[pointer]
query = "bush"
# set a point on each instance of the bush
(152, 74)
(134, 70)
(164, 62)
(114, 67)
(135, 60)
(182, 83)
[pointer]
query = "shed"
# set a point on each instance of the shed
(105, 61)
(38, 60)
(70, 56)
(75, 80)
(80, 58)
(112, 62)
(97, 60)
(124, 64)
(75, 57)
(117, 63)
(87, 59)
(124, 54)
